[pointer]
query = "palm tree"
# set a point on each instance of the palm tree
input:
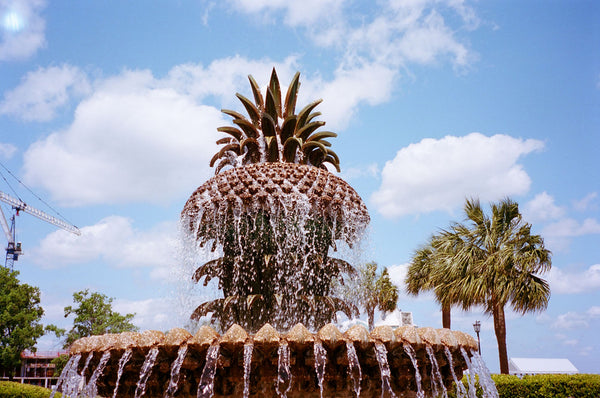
(425, 273)
(371, 291)
(496, 261)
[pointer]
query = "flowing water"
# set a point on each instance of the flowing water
(320, 362)
(175, 369)
(75, 382)
(71, 363)
(437, 384)
(91, 389)
(413, 358)
(247, 367)
(461, 392)
(140, 388)
(122, 362)
(284, 375)
(384, 369)
(206, 386)
(485, 378)
(470, 374)
(354, 371)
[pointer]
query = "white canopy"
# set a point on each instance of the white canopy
(523, 366)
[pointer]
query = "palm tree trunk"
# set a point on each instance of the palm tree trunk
(500, 329)
(446, 316)
(371, 315)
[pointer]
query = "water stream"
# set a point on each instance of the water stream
(461, 392)
(413, 358)
(320, 362)
(437, 383)
(71, 363)
(91, 389)
(284, 375)
(122, 362)
(354, 370)
(470, 374)
(140, 388)
(247, 367)
(485, 378)
(206, 386)
(384, 369)
(175, 369)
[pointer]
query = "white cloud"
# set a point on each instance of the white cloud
(351, 173)
(558, 234)
(297, 13)
(7, 150)
(586, 202)
(113, 240)
(22, 29)
(542, 208)
(150, 314)
(572, 283)
(131, 141)
(438, 174)
(42, 92)
(577, 320)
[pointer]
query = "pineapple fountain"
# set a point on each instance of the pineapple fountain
(271, 214)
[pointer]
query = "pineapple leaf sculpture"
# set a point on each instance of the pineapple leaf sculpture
(273, 210)
(273, 132)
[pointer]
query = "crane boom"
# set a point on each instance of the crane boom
(22, 206)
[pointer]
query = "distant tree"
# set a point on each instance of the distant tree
(371, 291)
(491, 260)
(20, 315)
(94, 316)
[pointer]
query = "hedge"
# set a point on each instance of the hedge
(11, 389)
(543, 386)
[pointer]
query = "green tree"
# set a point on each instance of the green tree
(94, 316)
(371, 291)
(492, 261)
(424, 275)
(20, 315)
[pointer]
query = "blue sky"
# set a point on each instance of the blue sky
(109, 110)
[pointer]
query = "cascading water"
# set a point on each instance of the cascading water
(485, 378)
(248, 348)
(145, 372)
(354, 371)
(413, 358)
(437, 383)
(320, 363)
(471, 375)
(175, 368)
(71, 363)
(122, 362)
(384, 370)
(284, 375)
(91, 389)
(461, 392)
(206, 385)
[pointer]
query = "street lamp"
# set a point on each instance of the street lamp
(477, 327)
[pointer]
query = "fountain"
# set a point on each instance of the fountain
(273, 215)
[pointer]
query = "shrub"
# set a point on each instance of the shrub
(543, 386)
(10, 389)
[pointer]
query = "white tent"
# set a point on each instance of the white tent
(529, 366)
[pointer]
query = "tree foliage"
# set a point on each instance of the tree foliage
(20, 315)
(491, 260)
(94, 316)
(371, 291)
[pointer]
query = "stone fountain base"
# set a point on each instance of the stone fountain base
(269, 364)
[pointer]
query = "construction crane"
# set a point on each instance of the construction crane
(14, 249)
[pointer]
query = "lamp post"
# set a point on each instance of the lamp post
(477, 327)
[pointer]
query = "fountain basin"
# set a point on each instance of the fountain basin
(254, 362)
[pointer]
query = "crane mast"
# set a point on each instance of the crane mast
(13, 248)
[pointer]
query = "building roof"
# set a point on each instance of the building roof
(521, 366)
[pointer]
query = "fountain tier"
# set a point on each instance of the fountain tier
(269, 364)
